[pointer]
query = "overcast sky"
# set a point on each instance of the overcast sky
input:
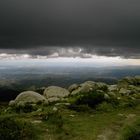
(70, 28)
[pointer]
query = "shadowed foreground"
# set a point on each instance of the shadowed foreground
(87, 111)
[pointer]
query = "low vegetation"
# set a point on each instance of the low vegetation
(131, 131)
(89, 111)
(12, 128)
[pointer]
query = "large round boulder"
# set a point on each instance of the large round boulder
(28, 97)
(55, 92)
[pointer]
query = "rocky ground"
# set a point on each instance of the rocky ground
(86, 111)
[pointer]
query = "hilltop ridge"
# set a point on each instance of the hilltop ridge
(90, 110)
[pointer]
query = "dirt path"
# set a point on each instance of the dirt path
(112, 132)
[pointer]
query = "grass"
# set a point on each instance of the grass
(12, 128)
(131, 131)
(88, 126)
(67, 124)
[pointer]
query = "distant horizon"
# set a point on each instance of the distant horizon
(93, 61)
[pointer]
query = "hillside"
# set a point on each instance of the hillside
(86, 111)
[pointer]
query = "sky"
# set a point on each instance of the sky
(70, 29)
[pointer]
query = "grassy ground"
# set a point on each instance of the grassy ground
(67, 124)
(95, 125)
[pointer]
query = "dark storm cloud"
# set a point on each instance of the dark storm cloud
(102, 27)
(77, 51)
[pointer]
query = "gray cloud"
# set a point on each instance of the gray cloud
(77, 51)
(101, 27)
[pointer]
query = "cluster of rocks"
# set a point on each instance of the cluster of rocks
(129, 86)
(87, 87)
(51, 94)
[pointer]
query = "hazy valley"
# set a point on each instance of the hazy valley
(18, 78)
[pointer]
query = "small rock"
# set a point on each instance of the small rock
(39, 110)
(53, 99)
(118, 98)
(37, 121)
(112, 88)
(132, 98)
(121, 115)
(72, 115)
(112, 94)
(66, 104)
(12, 103)
(55, 109)
(106, 97)
(131, 116)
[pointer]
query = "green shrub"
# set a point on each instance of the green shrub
(80, 108)
(25, 108)
(128, 103)
(54, 118)
(104, 107)
(13, 129)
(91, 99)
(131, 132)
(114, 102)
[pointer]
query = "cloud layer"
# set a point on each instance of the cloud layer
(70, 28)
(74, 51)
